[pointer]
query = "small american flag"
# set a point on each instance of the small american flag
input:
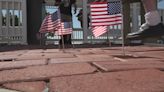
(99, 30)
(65, 28)
(52, 23)
(106, 13)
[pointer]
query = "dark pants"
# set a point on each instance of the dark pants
(67, 39)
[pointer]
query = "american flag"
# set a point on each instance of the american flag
(52, 23)
(99, 30)
(65, 28)
(106, 13)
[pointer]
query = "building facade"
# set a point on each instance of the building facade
(13, 25)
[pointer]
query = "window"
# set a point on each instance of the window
(4, 17)
(11, 17)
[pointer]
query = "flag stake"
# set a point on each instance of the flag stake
(122, 31)
(108, 38)
(123, 43)
(63, 45)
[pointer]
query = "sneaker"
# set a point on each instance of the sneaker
(147, 31)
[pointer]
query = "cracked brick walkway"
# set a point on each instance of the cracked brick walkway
(83, 70)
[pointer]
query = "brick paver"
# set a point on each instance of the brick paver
(14, 52)
(6, 90)
(128, 81)
(129, 65)
(144, 48)
(35, 51)
(21, 64)
(7, 57)
(52, 51)
(59, 55)
(38, 86)
(30, 57)
(66, 60)
(154, 54)
(97, 57)
(83, 70)
(44, 72)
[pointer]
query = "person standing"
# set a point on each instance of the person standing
(65, 7)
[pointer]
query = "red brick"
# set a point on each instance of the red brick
(52, 51)
(30, 57)
(96, 57)
(127, 81)
(65, 60)
(83, 51)
(154, 54)
(58, 55)
(135, 57)
(129, 65)
(7, 90)
(14, 52)
(8, 57)
(44, 72)
(21, 64)
(27, 86)
(35, 51)
(84, 58)
(144, 49)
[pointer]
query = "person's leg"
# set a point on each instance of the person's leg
(153, 26)
(68, 40)
(149, 5)
(152, 16)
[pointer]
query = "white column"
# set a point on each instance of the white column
(19, 16)
(135, 20)
(85, 21)
(13, 18)
(24, 22)
(162, 13)
(7, 19)
(0, 18)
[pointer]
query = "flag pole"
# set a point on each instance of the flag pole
(122, 30)
(108, 38)
(72, 36)
(62, 38)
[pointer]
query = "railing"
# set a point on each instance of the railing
(113, 35)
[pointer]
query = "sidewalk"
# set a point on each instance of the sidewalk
(83, 70)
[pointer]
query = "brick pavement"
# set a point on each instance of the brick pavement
(21, 64)
(83, 70)
(38, 86)
(127, 81)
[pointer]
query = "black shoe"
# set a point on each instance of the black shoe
(147, 32)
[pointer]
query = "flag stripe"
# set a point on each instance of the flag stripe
(52, 23)
(96, 30)
(107, 20)
(64, 30)
(104, 14)
(100, 13)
